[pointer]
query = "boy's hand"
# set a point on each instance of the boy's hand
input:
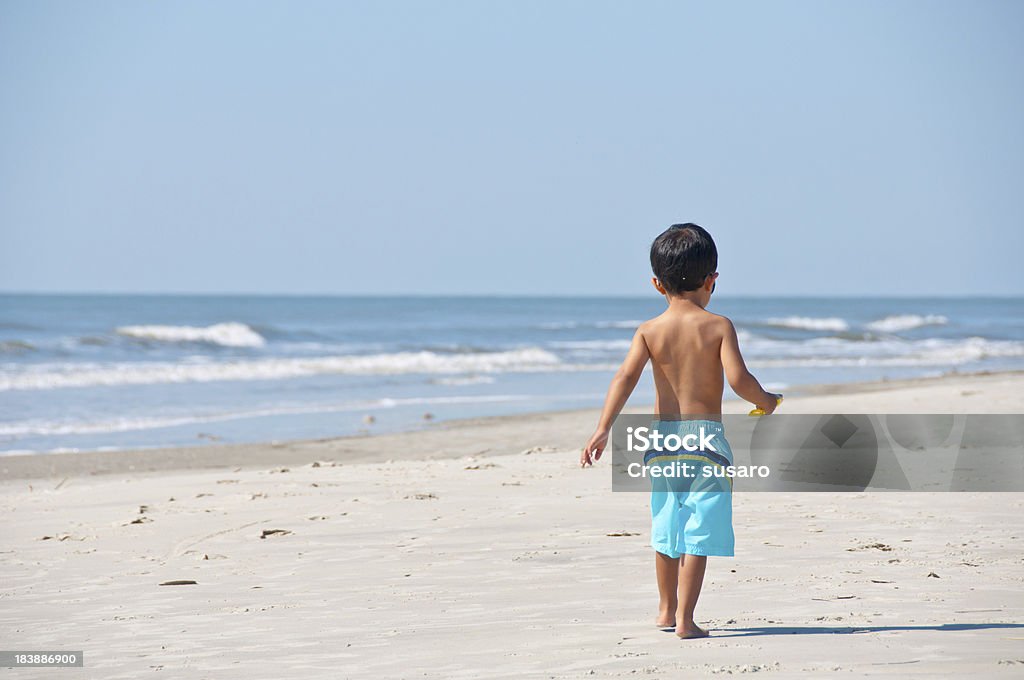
(594, 448)
(771, 404)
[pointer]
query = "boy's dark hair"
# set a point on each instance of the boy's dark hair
(683, 256)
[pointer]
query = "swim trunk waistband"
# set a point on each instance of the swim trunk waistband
(688, 425)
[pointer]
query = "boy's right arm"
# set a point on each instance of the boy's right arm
(740, 379)
(618, 392)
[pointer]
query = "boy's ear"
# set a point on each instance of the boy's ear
(709, 282)
(657, 285)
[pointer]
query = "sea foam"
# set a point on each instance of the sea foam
(228, 334)
(62, 427)
(48, 376)
(832, 352)
(906, 322)
(810, 323)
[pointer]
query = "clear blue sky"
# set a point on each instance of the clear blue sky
(516, 147)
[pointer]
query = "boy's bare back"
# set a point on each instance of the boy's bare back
(685, 347)
(692, 352)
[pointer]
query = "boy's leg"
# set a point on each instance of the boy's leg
(668, 585)
(691, 578)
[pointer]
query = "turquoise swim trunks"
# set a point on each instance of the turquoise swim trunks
(692, 512)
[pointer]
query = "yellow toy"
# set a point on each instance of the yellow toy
(760, 411)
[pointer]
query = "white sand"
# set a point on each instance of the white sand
(500, 565)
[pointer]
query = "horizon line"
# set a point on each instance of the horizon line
(483, 296)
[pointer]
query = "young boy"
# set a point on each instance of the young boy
(689, 349)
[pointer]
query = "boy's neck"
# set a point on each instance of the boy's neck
(687, 300)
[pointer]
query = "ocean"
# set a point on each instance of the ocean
(96, 372)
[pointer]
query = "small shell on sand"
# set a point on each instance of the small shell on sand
(274, 532)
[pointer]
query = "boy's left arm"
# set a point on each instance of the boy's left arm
(622, 386)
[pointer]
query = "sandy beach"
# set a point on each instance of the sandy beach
(308, 316)
(479, 549)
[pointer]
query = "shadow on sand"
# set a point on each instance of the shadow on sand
(846, 630)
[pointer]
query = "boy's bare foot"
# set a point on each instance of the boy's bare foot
(666, 615)
(690, 632)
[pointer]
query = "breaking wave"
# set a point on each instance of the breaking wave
(906, 322)
(48, 376)
(809, 323)
(228, 334)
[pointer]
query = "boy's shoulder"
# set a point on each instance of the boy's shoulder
(703, 318)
